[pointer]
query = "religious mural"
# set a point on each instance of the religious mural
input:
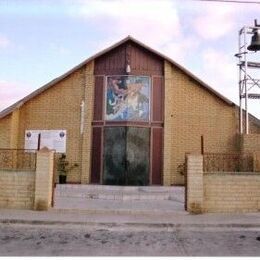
(128, 98)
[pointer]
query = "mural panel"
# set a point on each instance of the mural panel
(128, 98)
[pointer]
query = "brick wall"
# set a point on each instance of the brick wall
(231, 192)
(250, 142)
(17, 189)
(22, 189)
(220, 191)
(191, 111)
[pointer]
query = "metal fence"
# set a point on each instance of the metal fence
(228, 162)
(17, 159)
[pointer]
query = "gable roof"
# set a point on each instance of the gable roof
(19, 103)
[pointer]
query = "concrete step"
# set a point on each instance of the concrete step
(92, 187)
(118, 199)
(117, 206)
(118, 192)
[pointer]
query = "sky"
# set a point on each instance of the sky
(40, 40)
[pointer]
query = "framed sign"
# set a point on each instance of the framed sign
(52, 139)
(128, 98)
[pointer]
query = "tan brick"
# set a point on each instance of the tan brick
(44, 180)
(234, 193)
(191, 111)
(16, 189)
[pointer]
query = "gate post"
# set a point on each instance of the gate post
(44, 179)
(194, 187)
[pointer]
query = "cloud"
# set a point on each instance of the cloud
(195, 34)
(151, 21)
(63, 51)
(211, 21)
(221, 72)
(11, 92)
(59, 49)
(156, 23)
(217, 21)
(4, 41)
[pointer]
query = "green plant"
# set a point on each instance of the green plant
(63, 166)
(181, 168)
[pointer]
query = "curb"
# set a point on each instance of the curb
(132, 226)
(126, 211)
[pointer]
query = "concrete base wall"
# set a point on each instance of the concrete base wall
(17, 189)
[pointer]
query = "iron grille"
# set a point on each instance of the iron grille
(17, 159)
(228, 162)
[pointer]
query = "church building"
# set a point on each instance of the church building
(125, 116)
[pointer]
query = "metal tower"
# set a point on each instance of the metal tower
(249, 85)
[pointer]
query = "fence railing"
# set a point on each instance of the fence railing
(17, 159)
(228, 162)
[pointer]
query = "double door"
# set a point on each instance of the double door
(126, 157)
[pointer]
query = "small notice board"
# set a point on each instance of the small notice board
(52, 139)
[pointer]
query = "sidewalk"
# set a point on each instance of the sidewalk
(123, 221)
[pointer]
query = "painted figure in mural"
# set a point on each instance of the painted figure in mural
(136, 100)
(115, 95)
(128, 98)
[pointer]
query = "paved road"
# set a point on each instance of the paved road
(28, 240)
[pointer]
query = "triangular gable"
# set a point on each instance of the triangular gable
(18, 104)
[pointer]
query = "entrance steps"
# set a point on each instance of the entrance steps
(119, 198)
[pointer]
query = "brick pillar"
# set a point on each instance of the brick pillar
(14, 129)
(44, 179)
(195, 183)
(14, 132)
(168, 156)
(88, 117)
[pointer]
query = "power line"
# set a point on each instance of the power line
(231, 1)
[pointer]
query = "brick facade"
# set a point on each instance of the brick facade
(62, 105)
(250, 142)
(5, 127)
(191, 111)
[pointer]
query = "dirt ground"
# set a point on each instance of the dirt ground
(33, 240)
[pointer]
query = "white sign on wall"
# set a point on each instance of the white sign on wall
(52, 139)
